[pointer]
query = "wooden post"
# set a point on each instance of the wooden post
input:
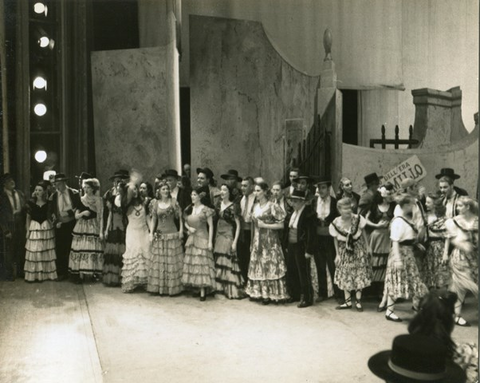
(384, 144)
(397, 130)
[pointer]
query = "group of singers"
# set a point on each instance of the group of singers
(244, 238)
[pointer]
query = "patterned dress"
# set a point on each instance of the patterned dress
(136, 259)
(267, 270)
(228, 276)
(355, 270)
(436, 275)
(40, 247)
(198, 264)
(114, 245)
(404, 282)
(380, 241)
(463, 265)
(165, 273)
(86, 255)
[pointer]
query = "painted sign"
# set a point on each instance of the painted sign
(411, 168)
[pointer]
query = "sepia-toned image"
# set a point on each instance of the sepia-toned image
(232, 191)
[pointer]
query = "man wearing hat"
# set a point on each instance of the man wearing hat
(12, 225)
(293, 179)
(416, 358)
(246, 208)
(182, 196)
(300, 242)
(232, 179)
(449, 191)
(303, 184)
(325, 208)
(119, 175)
(61, 213)
(372, 181)
(205, 179)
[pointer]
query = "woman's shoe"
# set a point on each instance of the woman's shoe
(345, 305)
(461, 322)
(203, 298)
(381, 308)
(390, 315)
(358, 306)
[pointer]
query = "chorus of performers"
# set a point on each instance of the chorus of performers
(302, 242)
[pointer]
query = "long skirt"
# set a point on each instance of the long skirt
(435, 275)
(464, 269)
(40, 252)
(86, 255)
(198, 264)
(165, 273)
(228, 275)
(380, 245)
(136, 259)
(405, 282)
(112, 258)
(354, 271)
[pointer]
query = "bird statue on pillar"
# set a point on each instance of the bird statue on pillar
(327, 44)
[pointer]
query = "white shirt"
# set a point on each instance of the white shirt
(174, 193)
(323, 207)
(246, 205)
(417, 217)
(64, 202)
(450, 205)
(295, 217)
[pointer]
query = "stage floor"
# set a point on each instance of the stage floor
(61, 332)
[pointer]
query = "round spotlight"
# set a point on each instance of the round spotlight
(40, 156)
(47, 174)
(40, 109)
(44, 41)
(40, 8)
(39, 83)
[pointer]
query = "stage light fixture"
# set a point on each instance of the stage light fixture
(40, 109)
(46, 42)
(40, 8)
(40, 83)
(47, 174)
(40, 156)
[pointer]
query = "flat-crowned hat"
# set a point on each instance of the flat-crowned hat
(297, 194)
(207, 171)
(303, 176)
(169, 173)
(372, 177)
(84, 176)
(407, 182)
(231, 174)
(447, 172)
(122, 174)
(416, 358)
(60, 177)
(322, 180)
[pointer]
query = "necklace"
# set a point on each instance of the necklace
(137, 211)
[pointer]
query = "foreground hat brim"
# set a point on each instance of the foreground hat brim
(378, 364)
(454, 176)
(230, 176)
(60, 179)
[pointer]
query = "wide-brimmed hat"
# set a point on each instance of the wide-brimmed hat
(60, 177)
(231, 174)
(322, 180)
(84, 176)
(169, 173)
(416, 358)
(370, 178)
(207, 171)
(122, 174)
(447, 172)
(298, 194)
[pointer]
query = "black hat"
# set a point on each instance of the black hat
(303, 177)
(322, 180)
(370, 178)
(231, 174)
(447, 172)
(416, 358)
(207, 171)
(84, 176)
(60, 177)
(5, 177)
(122, 174)
(169, 173)
(298, 194)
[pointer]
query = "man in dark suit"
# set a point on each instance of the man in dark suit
(205, 180)
(372, 181)
(325, 209)
(450, 193)
(300, 241)
(181, 195)
(12, 225)
(62, 215)
(246, 207)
